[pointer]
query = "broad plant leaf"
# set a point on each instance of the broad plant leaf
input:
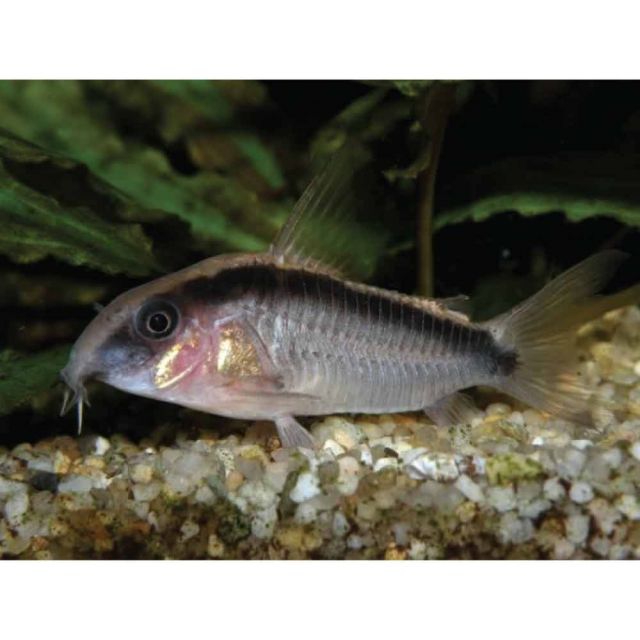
(194, 109)
(73, 119)
(368, 118)
(412, 88)
(23, 378)
(579, 185)
(36, 224)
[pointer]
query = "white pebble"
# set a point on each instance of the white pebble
(434, 466)
(305, 513)
(417, 549)
(480, 465)
(371, 430)
(636, 368)
(498, 408)
(514, 530)
(571, 462)
(141, 509)
(307, 486)
(348, 475)
(146, 492)
(553, 489)
(188, 530)
(101, 446)
(577, 526)
(355, 542)
(563, 549)
(618, 552)
(628, 506)
(502, 498)
(204, 495)
(258, 494)
(364, 453)
(534, 508)
(635, 450)
(401, 533)
(141, 473)
(385, 441)
(345, 433)
(383, 463)
(581, 444)
(538, 441)
(75, 484)
(581, 492)
(469, 489)
(411, 455)
(606, 391)
(603, 417)
(7, 487)
(276, 475)
(15, 507)
(401, 446)
(178, 484)
(604, 514)
(340, 525)
(528, 490)
(263, 522)
(334, 447)
(613, 457)
(41, 464)
(601, 546)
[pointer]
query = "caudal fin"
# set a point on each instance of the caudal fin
(541, 333)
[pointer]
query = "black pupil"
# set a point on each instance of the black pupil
(157, 319)
(158, 322)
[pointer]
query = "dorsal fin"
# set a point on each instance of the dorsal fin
(323, 233)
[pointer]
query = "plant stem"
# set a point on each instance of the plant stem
(435, 115)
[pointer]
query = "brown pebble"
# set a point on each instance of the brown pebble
(215, 546)
(298, 538)
(392, 552)
(38, 543)
(61, 463)
(234, 480)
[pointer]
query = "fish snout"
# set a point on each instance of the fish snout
(74, 374)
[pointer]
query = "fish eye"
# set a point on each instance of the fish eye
(157, 319)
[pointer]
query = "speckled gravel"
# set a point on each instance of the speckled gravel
(513, 483)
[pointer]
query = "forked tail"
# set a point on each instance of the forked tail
(541, 333)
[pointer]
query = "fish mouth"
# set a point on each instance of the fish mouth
(74, 395)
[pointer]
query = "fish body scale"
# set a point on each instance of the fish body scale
(359, 351)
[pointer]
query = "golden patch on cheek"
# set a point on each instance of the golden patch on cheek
(237, 356)
(168, 370)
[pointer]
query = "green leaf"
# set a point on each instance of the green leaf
(368, 118)
(579, 185)
(23, 378)
(74, 119)
(35, 224)
(412, 88)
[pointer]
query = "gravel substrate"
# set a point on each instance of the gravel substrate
(514, 483)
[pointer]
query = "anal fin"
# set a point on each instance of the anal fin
(456, 408)
(293, 434)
